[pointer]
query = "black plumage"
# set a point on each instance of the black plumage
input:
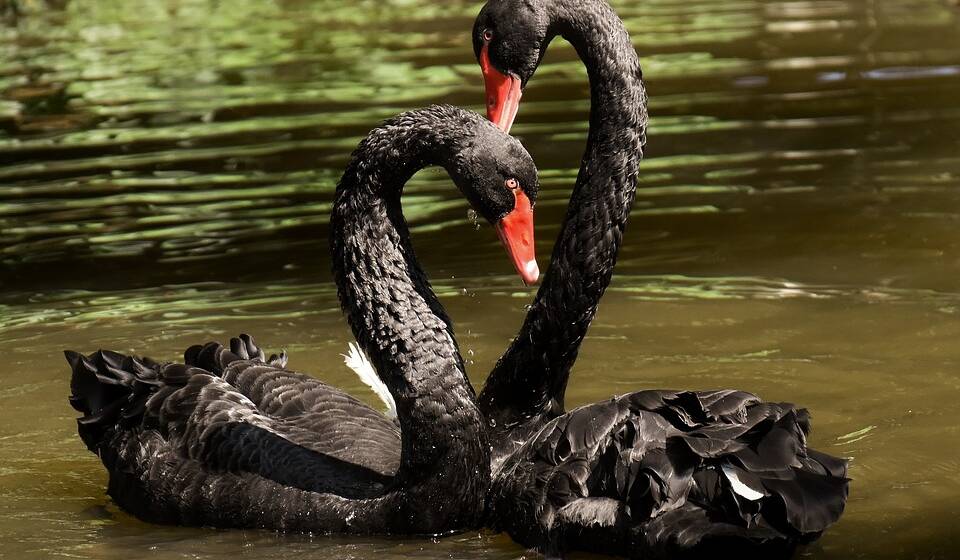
(653, 474)
(656, 474)
(230, 438)
(526, 387)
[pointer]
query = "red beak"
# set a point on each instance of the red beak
(516, 233)
(503, 93)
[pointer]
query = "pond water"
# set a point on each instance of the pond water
(166, 169)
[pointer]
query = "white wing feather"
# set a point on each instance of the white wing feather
(358, 362)
(738, 486)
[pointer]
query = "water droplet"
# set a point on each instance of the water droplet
(472, 216)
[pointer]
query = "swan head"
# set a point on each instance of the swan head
(509, 39)
(499, 180)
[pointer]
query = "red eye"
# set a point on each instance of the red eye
(512, 184)
(487, 35)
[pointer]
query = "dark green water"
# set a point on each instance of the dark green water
(166, 169)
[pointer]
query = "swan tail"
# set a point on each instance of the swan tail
(109, 388)
(116, 392)
(215, 357)
(357, 361)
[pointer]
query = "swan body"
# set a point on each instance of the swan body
(231, 438)
(651, 474)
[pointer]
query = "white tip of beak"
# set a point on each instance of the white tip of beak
(532, 271)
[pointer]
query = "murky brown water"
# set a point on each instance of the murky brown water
(166, 169)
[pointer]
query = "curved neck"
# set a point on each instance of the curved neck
(527, 386)
(395, 314)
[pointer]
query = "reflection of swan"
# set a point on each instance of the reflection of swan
(652, 473)
(231, 439)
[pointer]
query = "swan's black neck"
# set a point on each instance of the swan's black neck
(394, 313)
(527, 386)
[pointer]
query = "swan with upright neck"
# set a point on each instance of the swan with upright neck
(526, 387)
(650, 474)
(214, 442)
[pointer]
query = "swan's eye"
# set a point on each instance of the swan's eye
(512, 184)
(488, 35)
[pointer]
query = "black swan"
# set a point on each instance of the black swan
(654, 473)
(230, 439)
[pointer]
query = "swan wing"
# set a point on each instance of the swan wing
(659, 472)
(203, 421)
(332, 421)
